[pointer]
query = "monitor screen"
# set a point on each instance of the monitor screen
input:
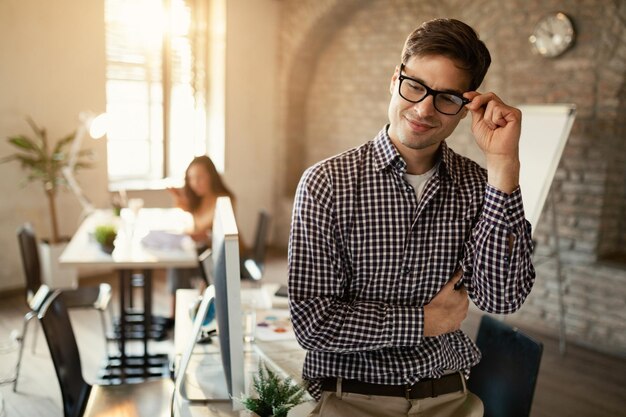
(216, 390)
(226, 279)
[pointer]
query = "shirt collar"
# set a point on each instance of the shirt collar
(386, 155)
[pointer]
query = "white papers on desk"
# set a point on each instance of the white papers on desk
(163, 240)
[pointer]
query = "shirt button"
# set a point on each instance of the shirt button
(409, 190)
(406, 270)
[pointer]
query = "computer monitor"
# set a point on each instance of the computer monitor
(215, 379)
(208, 299)
(226, 278)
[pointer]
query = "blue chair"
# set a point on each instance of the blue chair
(506, 376)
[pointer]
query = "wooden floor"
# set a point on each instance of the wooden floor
(583, 383)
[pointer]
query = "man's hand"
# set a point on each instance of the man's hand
(496, 128)
(447, 309)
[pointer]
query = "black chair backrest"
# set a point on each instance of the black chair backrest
(260, 238)
(205, 270)
(506, 376)
(57, 328)
(30, 259)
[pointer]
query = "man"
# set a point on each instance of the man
(389, 239)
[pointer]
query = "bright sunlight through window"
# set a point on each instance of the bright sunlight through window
(156, 87)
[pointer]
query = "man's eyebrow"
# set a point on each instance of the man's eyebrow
(445, 90)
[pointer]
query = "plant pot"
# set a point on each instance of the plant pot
(52, 273)
(107, 248)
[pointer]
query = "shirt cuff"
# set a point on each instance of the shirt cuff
(407, 323)
(506, 210)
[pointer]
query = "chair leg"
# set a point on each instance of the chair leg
(104, 333)
(33, 346)
(111, 337)
(27, 319)
(111, 318)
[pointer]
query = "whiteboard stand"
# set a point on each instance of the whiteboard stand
(559, 273)
(545, 130)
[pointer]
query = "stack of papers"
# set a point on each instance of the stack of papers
(163, 240)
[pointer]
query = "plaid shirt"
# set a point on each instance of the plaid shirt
(365, 257)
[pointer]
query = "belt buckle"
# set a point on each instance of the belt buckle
(425, 389)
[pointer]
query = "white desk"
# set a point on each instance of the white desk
(130, 255)
(129, 252)
(285, 356)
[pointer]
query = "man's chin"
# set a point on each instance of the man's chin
(418, 142)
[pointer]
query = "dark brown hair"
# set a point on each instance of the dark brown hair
(453, 39)
(218, 188)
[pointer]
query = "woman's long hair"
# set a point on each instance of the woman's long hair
(218, 188)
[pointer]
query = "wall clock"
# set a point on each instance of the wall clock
(553, 35)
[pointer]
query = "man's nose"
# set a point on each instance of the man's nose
(426, 107)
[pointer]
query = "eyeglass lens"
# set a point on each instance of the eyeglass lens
(415, 92)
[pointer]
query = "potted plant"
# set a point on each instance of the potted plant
(105, 235)
(276, 396)
(44, 162)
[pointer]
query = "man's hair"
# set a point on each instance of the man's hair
(453, 39)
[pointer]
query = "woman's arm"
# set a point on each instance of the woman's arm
(179, 197)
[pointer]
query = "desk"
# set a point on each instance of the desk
(131, 255)
(285, 356)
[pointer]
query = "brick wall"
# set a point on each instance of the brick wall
(337, 58)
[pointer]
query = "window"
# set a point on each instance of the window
(156, 86)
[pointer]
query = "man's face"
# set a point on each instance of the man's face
(420, 126)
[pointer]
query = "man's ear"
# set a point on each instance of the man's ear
(394, 77)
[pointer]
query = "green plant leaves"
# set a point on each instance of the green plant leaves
(276, 396)
(105, 234)
(44, 164)
(24, 143)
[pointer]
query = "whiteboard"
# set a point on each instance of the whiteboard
(545, 129)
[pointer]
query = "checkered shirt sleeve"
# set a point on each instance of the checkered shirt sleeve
(365, 257)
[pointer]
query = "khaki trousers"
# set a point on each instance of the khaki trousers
(343, 404)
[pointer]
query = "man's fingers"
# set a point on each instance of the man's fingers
(447, 310)
(487, 108)
(456, 280)
(458, 274)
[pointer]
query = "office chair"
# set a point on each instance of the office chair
(150, 398)
(97, 297)
(505, 377)
(253, 262)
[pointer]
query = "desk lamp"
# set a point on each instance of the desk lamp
(96, 127)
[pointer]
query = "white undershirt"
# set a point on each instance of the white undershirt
(418, 182)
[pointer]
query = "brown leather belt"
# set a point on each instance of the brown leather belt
(423, 389)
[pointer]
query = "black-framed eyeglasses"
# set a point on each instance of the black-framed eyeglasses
(414, 91)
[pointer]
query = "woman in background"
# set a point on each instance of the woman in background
(203, 185)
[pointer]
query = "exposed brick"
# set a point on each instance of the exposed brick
(336, 59)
